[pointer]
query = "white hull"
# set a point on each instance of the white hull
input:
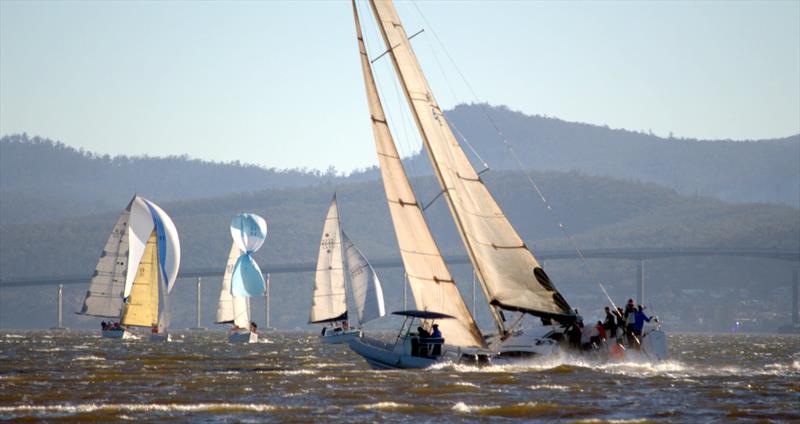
(339, 337)
(117, 334)
(242, 337)
(381, 355)
(534, 343)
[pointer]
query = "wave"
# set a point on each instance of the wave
(132, 407)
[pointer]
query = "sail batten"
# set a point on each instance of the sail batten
(508, 272)
(431, 284)
(329, 301)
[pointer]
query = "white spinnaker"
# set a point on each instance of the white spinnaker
(172, 260)
(367, 291)
(232, 309)
(433, 287)
(329, 301)
(104, 297)
(509, 274)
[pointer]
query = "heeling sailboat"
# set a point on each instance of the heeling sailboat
(140, 260)
(433, 288)
(510, 276)
(329, 301)
(234, 309)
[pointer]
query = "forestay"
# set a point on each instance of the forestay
(329, 302)
(431, 284)
(509, 274)
(367, 291)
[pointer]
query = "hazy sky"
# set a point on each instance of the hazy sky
(279, 83)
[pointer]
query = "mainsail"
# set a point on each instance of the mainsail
(367, 291)
(232, 309)
(329, 302)
(510, 276)
(104, 297)
(141, 307)
(431, 283)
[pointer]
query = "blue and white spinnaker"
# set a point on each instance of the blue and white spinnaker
(249, 232)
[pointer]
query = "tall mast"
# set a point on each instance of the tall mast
(431, 284)
(510, 276)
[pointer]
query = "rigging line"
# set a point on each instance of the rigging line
(508, 146)
(455, 96)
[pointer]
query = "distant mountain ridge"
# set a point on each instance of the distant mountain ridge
(45, 180)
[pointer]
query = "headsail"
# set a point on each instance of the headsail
(509, 274)
(232, 309)
(367, 291)
(104, 297)
(141, 306)
(431, 283)
(329, 302)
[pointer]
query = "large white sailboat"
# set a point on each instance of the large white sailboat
(512, 279)
(136, 272)
(329, 301)
(232, 309)
(435, 292)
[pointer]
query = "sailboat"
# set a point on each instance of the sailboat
(512, 279)
(329, 301)
(136, 272)
(243, 278)
(234, 309)
(435, 293)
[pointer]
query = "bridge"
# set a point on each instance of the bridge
(625, 253)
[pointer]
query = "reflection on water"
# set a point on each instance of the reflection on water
(200, 377)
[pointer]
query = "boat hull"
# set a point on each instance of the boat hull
(242, 337)
(339, 337)
(380, 355)
(117, 334)
(160, 337)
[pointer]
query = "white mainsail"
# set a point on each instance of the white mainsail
(431, 284)
(232, 309)
(329, 302)
(104, 297)
(367, 291)
(509, 274)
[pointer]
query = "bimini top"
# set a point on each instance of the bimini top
(422, 314)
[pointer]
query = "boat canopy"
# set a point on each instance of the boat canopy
(422, 314)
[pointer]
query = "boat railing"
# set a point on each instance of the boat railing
(426, 346)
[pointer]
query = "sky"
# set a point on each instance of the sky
(279, 83)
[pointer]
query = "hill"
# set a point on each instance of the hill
(600, 212)
(45, 180)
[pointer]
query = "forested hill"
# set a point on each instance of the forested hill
(45, 180)
(598, 211)
(735, 171)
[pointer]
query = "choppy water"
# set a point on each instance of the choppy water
(72, 376)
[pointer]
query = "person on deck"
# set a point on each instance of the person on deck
(640, 319)
(630, 322)
(422, 332)
(436, 332)
(610, 324)
(598, 334)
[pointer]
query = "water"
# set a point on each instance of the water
(199, 377)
